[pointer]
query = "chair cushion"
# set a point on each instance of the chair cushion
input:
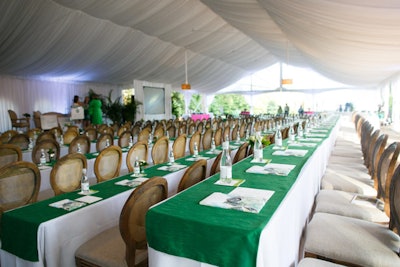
(339, 202)
(107, 249)
(352, 240)
(311, 262)
(337, 181)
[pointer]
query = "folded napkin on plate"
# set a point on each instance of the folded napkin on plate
(316, 135)
(272, 168)
(216, 151)
(291, 152)
(233, 182)
(196, 158)
(319, 130)
(241, 198)
(172, 168)
(303, 144)
(310, 139)
(132, 183)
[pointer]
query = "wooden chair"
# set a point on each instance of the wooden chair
(36, 119)
(159, 132)
(194, 174)
(32, 132)
(106, 130)
(102, 141)
(242, 130)
(125, 244)
(159, 152)
(56, 131)
(91, 132)
(136, 130)
(191, 129)
(195, 139)
(226, 133)
(21, 140)
(7, 135)
(69, 136)
(144, 135)
(200, 127)
(139, 150)
(171, 131)
(108, 163)
(355, 242)
(215, 166)
(19, 184)
(207, 137)
(124, 138)
(67, 173)
(182, 129)
(241, 153)
(9, 153)
(235, 132)
(45, 136)
(16, 122)
(179, 146)
(83, 142)
(122, 129)
(46, 144)
(218, 137)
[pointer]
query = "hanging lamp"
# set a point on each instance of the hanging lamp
(186, 85)
(286, 80)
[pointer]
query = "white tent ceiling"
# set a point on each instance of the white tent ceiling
(116, 41)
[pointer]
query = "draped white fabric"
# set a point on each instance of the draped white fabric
(353, 42)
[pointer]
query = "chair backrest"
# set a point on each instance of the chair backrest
(235, 132)
(218, 137)
(67, 173)
(144, 135)
(21, 140)
(196, 137)
(370, 148)
(194, 174)
(7, 135)
(102, 141)
(394, 193)
(200, 127)
(83, 142)
(57, 131)
(179, 146)
(241, 153)
(69, 136)
(376, 154)
(19, 184)
(226, 133)
(9, 153)
(132, 219)
(106, 130)
(207, 137)
(159, 132)
(192, 128)
(91, 132)
(136, 130)
(159, 152)
(182, 129)
(13, 116)
(108, 163)
(122, 129)
(124, 137)
(171, 131)
(139, 150)
(45, 136)
(386, 166)
(46, 144)
(36, 119)
(215, 166)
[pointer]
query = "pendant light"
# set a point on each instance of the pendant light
(186, 85)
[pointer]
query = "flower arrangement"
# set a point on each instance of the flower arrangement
(264, 141)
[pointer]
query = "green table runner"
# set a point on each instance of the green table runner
(183, 227)
(19, 227)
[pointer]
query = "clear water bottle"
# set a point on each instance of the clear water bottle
(278, 137)
(61, 140)
(84, 183)
(258, 149)
(167, 134)
(225, 164)
(171, 157)
(130, 141)
(42, 157)
(30, 145)
(195, 150)
(79, 149)
(136, 167)
(212, 144)
(300, 132)
(107, 143)
(150, 140)
(238, 137)
(292, 135)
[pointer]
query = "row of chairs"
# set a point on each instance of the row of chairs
(342, 231)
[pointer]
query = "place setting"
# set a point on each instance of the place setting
(272, 168)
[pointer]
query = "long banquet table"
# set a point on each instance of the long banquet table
(39, 235)
(192, 235)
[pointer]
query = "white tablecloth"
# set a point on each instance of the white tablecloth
(280, 239)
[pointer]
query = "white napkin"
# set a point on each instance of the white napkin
(272, 168)
(316, 135)
(303, 144)
(196, 158)
(132, 183)
(310, 139)
(291, 152)
(88, 199)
